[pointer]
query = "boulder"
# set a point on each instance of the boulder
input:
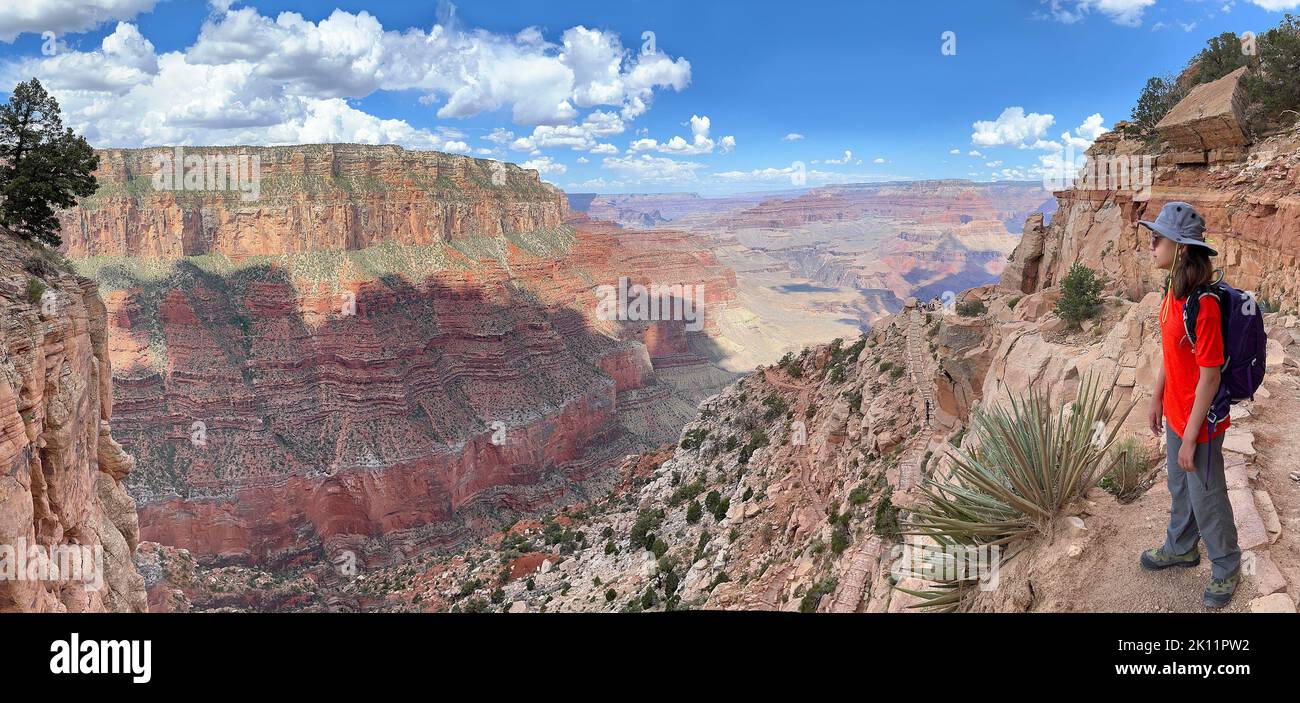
(1034, 306)
(1275, 603)
(1274, 355)
(1074, 525)
(1267, 577)
(1053, 324)
(1210, 117)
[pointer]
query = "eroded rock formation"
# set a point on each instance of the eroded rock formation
(68, 528)
(1250, 198)
(308, 198)
(302, 391)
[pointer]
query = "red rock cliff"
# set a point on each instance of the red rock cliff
(381, 398)
(61, 493)
(308, 197)
(1249, 195)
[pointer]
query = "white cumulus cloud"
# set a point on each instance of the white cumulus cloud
(256, 79)
(545, 166)
(64, 16)
(1013, 128)
(1123, 12)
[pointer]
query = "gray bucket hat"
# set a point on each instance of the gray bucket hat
(1180, 222)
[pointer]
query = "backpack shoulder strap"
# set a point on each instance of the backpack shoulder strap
(1192, 308)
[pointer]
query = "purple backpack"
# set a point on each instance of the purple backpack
(1243, 345)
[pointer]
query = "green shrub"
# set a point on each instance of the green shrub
(776, 407)
(886, 518)
(694, 438)
(855, 401)
(685, 493)
(1080, 296)
(1274, 87)
(757, 439)
(813, 598)
(694, 512)
(646, 521)
(718, 580)
(35, 289)
(840, 536)
(1222, 55)
(971, 308)
(1157, 98)
(700, 544)
(1029, 465)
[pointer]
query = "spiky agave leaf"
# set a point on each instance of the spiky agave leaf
(1030, 464)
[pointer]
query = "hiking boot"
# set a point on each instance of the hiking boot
(1220, 591)
(1157, 559)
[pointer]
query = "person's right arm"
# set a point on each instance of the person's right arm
(1156, 410)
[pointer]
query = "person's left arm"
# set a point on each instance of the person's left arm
(1209, 359)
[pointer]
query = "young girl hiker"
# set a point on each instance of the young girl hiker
(1188, 381)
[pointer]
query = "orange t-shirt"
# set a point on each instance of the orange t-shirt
(1182, 365)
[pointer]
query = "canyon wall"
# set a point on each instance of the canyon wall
(64, 512)
(293, 388)
(308, 197)
(927, 202)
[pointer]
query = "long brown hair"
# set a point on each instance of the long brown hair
(1191, 268)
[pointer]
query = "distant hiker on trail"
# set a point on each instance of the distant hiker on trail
(1184, 392)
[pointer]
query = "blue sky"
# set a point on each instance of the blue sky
(731, 96)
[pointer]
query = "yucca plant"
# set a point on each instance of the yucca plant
(1029, 464)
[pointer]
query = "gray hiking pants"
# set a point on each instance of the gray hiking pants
(1199, 506)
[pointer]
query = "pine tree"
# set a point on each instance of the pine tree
(1080, 295)
(1275, 88)
(43, 165)
(1222, 55)
(1158, 97)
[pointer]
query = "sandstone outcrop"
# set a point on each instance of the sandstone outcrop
(308, 198)
(1211, 116)
(64, 512)
(1251, 206)
(1021, 272)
